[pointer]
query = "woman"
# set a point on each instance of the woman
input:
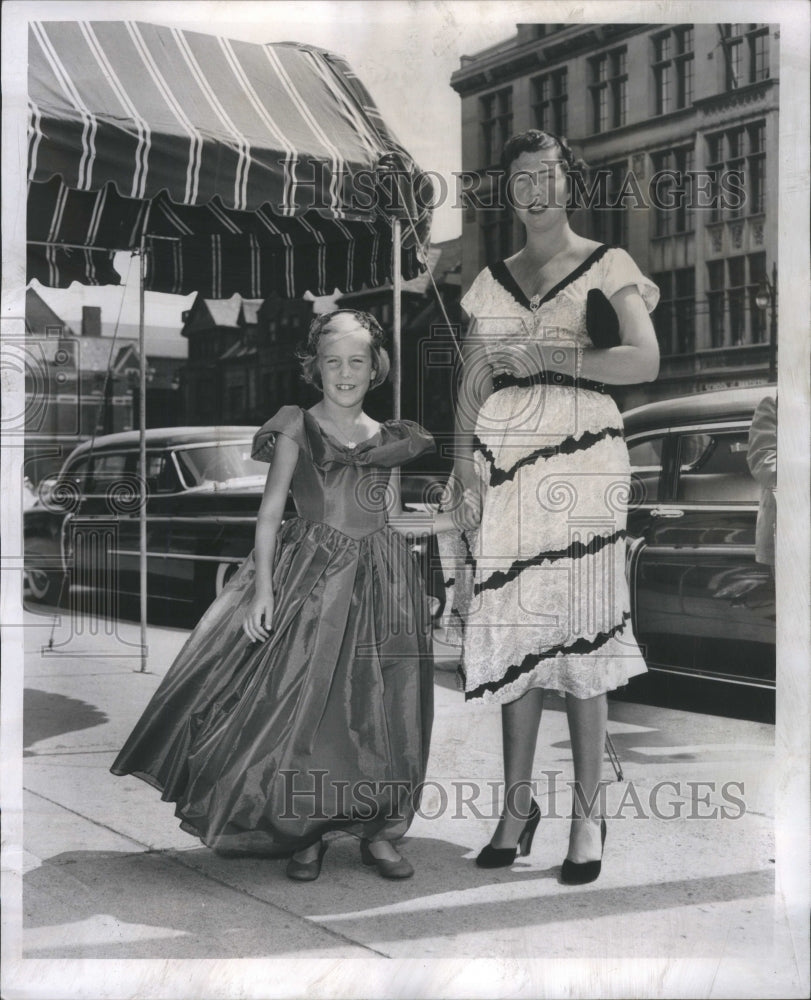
(540, 586)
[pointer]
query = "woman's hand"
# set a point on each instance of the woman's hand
(258, 623)
(468, 513)
(528, 358)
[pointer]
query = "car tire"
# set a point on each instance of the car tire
(45, 583)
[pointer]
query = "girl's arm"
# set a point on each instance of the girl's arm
(465, 514)
(259, 616)
(635, 360)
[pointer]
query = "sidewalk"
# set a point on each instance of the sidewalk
(109, 875)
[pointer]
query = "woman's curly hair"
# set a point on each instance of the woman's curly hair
(532, 141)
(308, 356)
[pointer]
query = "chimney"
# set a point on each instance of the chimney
(91, 321)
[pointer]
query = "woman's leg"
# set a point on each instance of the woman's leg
(519, 732)
(587, 723)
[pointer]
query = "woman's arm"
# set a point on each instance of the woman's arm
(259, 616)
(635, 360)
(475, 387)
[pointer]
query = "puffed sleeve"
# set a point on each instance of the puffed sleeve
(288, 421)
(621, 271)
(473, 300)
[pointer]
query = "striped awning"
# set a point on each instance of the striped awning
(249, 168)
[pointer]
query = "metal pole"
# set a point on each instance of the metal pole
(773, 328)
(142, 452)
(397, 333)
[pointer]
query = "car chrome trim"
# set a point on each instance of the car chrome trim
(179, 555)
(712, 550)
(703, 676)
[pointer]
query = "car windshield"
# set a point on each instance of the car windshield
(220, 463)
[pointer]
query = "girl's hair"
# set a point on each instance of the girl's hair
(532, 141)
(308, 357)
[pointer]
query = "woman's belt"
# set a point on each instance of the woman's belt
(506, 381)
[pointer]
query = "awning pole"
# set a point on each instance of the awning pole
(142, 452)
(397, 346)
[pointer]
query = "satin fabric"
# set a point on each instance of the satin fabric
(326, 725)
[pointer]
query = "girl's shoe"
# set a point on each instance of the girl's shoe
(306, 871)
(386, 868)
(503, 857)
(574, 873)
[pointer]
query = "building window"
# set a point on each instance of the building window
(673, 69)
(496, 118)
(609, 216)
(734, 317)
(672, 211)
(549, 98)
(497, 229)
(736, 160)
(608, 87)
(758, 39)
(674, 318)
(746, 53)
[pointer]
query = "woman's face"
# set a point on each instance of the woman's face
(537, 188)
(345, 361)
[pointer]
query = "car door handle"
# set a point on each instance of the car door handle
(666, 512)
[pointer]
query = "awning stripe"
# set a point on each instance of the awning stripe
(88, 120)
(142, 149)
(240, 177)
(195, 139)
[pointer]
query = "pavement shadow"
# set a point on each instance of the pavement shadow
(156, 905)
(46, 714)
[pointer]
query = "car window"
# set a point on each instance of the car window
(219, 463)
(161, 476)
(109, 468)
(713, 468)
(78, 472)
(646, 467)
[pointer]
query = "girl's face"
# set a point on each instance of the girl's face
(537, 188)
(345, 361)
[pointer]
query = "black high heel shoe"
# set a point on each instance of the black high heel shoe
(306, 871)
(574, 873)
(503, 857)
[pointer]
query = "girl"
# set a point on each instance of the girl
(303, 701)
(546, 605)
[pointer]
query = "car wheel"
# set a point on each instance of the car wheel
(44, 579)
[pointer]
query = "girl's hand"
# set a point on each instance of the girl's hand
(258, 623)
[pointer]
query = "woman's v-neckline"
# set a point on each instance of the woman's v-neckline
(504, 276)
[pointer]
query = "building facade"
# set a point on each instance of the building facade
(678, 124)
(86, 383)
(242, 359)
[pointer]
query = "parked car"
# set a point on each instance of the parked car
(204, 491)
(701, 605)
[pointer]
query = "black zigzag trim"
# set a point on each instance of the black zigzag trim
(568, 446)
(479, 445)
(580, 647)
(574, 551)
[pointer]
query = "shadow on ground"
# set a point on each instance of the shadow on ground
(46, 714)
(157, 905)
